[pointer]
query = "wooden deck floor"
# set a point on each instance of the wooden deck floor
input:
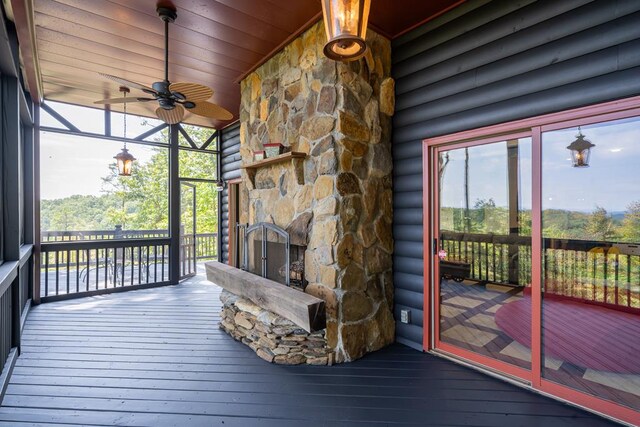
(157, 358)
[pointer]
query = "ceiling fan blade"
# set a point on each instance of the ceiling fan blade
(128, 83)
(170, 116)
(192, 91)
(212, 111)
(123, 100)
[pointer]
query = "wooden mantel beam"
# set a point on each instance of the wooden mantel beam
(304, 310)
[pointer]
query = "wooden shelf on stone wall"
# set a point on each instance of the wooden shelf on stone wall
(292, 156)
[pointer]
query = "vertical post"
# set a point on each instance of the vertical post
(28, 177)
(174, 205)
(36, 207)
(467, 209)
(11, 146)
(536, 257)
(117, 233)
(107, 120)
(220, 194)
(15, 311)
(194, 246)
(514, 208)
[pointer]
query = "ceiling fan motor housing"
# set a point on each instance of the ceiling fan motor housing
(167, 14)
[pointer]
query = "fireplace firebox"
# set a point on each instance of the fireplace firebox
(266, 250)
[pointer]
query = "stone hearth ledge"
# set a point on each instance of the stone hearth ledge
(274, 337)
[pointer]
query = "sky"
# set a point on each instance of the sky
(75, 165)
(612, 181)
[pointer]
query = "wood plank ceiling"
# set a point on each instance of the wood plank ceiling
(66, 43)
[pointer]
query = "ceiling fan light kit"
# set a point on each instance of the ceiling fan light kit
(173, 99)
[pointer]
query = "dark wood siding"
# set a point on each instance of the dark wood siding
(230, 163)
(492, 62)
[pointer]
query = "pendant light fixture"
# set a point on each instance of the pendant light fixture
(580, 150)
(346, 24)
(124, 159)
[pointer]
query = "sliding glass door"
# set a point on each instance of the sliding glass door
(591, 261)
(484, 252)
(534, 266)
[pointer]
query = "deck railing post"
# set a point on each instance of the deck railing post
(174, 205)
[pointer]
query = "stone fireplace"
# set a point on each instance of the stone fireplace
(336, 197)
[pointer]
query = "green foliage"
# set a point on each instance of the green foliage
(77, 213)
(600, 224)
(630, 228)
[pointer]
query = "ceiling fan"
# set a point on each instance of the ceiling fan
(173, 98)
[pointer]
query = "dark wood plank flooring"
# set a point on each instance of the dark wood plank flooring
(157, 358)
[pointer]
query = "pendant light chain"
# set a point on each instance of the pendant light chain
(124, 94)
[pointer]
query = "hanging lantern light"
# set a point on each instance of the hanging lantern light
(580, 150)
(346, 24)
(124, 159)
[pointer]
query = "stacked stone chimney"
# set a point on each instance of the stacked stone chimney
(339, 114)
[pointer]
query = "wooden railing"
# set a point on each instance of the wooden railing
(599, 272)
(206, 243)
(15, 296)
(6, 324)
(87, 267)
(117, 233)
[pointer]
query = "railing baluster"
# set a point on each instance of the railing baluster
(629, 281)
(139, 265)
(132, 264)
(68, 272)
(124, 257)
(606, 287)
(97, 269)
(155, 263)
(57, 272)
(106, 267)
(147, 272)
(77, 270)
(46, 273)
(616, 277)
(163, 262)
(493, 249)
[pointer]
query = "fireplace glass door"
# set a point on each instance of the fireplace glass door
(267, 252)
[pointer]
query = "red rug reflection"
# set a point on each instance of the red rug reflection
(585, 335)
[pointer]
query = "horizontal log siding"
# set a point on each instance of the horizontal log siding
(489, 62)
(230, 162)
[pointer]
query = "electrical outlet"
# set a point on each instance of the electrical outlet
(405, 316)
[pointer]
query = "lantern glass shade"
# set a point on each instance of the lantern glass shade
(580, 151)
(124, 160)
(345, 22)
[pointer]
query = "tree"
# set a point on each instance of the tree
(600, 225)
(145, 194)
(630, 229)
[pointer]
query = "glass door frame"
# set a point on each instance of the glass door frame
(188, 264)
(513, 371)
(533, 127)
